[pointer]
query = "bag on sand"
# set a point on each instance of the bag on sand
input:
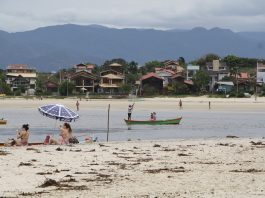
(73, 140)
(10, 142)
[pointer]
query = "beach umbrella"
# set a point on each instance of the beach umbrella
(58, 112)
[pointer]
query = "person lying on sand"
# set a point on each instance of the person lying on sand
(66, 136)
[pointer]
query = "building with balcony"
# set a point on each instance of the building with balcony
(110, 81)
(20, 76)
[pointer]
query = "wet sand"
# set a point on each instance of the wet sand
(189, 103)
(174, 168)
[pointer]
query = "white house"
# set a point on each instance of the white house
(165, 74)
(18, 75)
(192, 70)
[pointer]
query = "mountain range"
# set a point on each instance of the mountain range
(53, 47)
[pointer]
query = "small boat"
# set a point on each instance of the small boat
(154, 122)
(3, 122)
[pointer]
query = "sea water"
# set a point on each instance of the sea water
(93, 122)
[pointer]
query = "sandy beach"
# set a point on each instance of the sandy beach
(174, 168)
(189, 103)
(180, 167)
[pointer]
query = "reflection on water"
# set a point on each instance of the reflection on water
(194, 124)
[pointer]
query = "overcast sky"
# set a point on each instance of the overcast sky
(238, 15)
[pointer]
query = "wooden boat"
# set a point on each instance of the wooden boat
(154, 122)
(3, 122)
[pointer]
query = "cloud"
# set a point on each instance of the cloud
(238, 15)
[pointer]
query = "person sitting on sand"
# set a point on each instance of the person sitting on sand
(22, 136)
(66, 136)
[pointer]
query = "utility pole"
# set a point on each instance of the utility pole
(67, 87)
(237, 81)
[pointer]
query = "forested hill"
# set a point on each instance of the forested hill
(53, 47)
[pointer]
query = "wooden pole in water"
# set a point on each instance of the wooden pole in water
(108, 124)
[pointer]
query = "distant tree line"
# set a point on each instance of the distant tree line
(133, 71)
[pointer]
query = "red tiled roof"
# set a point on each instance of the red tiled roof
(165, 70)
(82, 73)
(243, 75)
(50, 84)
(170, 71)
(17, 66)
(189, 82)
(80, 65)
(90, 66)
(159, 69)
(177, 75)
(150, 75)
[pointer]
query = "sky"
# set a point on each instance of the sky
(237, 15)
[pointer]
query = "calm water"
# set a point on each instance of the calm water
(195, 124)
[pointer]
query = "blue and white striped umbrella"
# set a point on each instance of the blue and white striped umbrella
(58, 112)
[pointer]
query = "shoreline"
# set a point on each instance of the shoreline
(220, 167)
(160, 103)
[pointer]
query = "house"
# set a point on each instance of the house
(21, 76)
(244, 81)
(151, 81)
(191, 71)
(165, 74)
(173, 65)
(217, 70)
(225, 86)
(116, 67)
(51, 87)
(261, 72)
(84, 67)
(110, 81)
(179, 78)
(84, 81)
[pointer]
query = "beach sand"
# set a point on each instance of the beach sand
(173, 168)
(156, 104)
(162, 168)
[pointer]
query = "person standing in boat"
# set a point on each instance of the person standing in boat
(130, 109)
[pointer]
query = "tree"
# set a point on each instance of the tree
(116, 60)
(4, 88)
(150, 66)
(201, 80)
(180, 88)
(133, 67)
(207, 58)
(125, 89)
(233, 64)
(149, 90)
(39, 87)
(181, 61)
(66, 88)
